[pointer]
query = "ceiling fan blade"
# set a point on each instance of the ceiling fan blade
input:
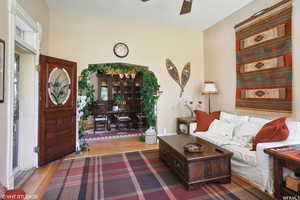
(186, 7)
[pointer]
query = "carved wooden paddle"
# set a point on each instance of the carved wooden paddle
(185, 74)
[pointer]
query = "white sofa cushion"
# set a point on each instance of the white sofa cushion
(222, 128)
(245, 132)
(232, 118)
(258, 120)
(227, 116)
(242, 154)
(212, 138)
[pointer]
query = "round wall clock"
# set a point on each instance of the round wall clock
(121, 50)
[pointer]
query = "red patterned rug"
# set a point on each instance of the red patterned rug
(134, 176)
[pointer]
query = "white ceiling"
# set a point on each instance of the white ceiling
(164, 12)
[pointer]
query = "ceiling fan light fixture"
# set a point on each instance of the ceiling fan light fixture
(186, 7)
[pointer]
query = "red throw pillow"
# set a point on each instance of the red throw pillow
(273, 131)
(204, 120)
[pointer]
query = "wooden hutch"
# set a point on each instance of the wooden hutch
(127, 88)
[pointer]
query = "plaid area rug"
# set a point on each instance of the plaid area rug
(133, 176)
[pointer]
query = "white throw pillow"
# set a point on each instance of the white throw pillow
(222, 128)
(227, 116)
(258, 120)
(234, 119)
(245, 132)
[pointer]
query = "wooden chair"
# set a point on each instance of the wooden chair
(123, 118)
(100, 117)
(141, 121)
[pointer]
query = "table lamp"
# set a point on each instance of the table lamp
(208, 89)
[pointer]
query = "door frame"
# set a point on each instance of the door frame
(15, 10)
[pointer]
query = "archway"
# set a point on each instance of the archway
(149, 91)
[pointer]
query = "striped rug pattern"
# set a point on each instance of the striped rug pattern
(264, 60)
(134, 176)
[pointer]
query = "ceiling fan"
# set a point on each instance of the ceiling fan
(186, 6)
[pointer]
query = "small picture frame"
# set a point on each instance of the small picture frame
(2, 69)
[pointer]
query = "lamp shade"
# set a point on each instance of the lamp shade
(209, 88)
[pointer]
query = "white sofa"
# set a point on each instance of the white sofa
(235, 133)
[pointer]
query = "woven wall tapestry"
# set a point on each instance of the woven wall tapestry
(264, 59)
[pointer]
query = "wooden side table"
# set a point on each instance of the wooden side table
(282, 158)
(186, 121)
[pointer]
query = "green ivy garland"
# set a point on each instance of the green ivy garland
(149, 91)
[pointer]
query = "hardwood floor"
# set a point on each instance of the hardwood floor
(39, 181)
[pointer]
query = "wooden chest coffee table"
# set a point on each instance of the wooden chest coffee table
(195, 169)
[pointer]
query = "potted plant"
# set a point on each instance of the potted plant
(83, 113)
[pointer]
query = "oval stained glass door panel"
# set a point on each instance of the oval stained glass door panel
(59, 86)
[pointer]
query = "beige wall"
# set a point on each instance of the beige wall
(220, 60)
(38, 10)
(88, 40)
(3, 106)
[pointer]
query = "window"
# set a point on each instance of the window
(25, 35)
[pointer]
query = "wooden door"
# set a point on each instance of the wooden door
(57, 108)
